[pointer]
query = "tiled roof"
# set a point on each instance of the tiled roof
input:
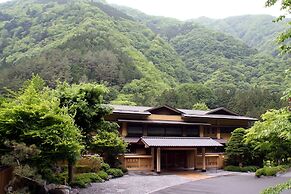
(179, 142)
(161, 122)
(131, 139)
(144, 110)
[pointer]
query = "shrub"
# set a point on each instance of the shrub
(102, 174)
(278, 188)
(105, 167)
(89, 164)
(249, 169)
(124, 170)
(82, 180)
(241, 169)
(115, 172)
(83, 169)
(232, 168)
(270, 171)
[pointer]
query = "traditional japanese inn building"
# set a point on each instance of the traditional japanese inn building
(166, 138)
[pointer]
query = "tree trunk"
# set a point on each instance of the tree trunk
(70, 172)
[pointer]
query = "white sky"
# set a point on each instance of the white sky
(187, 9)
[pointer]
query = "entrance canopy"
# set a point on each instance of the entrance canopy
(179, 142)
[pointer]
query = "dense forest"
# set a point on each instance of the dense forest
(142, 59)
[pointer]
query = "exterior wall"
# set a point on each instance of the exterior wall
(165, 117)
(212, 161)
(145, 162)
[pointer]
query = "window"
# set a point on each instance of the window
(173, 131)
(134, 130)
(227, 129)
(192, 131)
(156, 131)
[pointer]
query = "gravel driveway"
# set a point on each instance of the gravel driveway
(135, 184)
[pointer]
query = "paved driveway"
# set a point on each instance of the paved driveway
(185, 183)
(232, 184)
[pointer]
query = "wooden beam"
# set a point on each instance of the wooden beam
(218, 133)
(153, 159)
(203, 160)
(201, 131)
(158, 160)
(124, 129)
(195, 158)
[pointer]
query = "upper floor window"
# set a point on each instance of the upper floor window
(192, 131)
(134, 130)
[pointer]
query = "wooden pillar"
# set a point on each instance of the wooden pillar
(218, 133)
(203, 160)
(195, 158)
(201, 131)
(145, 130)
(124, 129)
(184, 131)
(158, 160)
(153, 158)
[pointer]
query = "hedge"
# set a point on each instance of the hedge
(271, 171)
(82, 180)
(115, 172)
(241, 169)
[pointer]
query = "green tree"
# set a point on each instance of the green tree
(200, 106)
(85, 104)
(34, 117)
(237, 151)
(284, 36)
(271, 136)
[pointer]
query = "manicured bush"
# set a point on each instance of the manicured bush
(102, 174)
(249, 169)
(115, 172)
(105, 167)
(278, 188)
(270, 171)
(124, 170)
(82, 180)
(83, 169)
(241, 169)
(232, 168)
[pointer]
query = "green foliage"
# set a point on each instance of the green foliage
(185, 95)
(82, 180)
(271, 171)
(34, 117)
(115, 172)
(237, 151)
(105, 167)
(257, 31)
(102, 174)
(278, 188)
(271, 136)
(286, 35)
(241, 169)
(108, 145)
(200, 106)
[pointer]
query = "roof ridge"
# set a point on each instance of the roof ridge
(163, 137)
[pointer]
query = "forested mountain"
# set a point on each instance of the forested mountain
(246, 28)
(217, 57)
(145, 60)
(77, 40)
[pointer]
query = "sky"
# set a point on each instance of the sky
(188, 9)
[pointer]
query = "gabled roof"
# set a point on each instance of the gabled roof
(169, 108)
(221, 110)
(214, 113)
(179, 142)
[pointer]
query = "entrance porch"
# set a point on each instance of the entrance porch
(169, 153)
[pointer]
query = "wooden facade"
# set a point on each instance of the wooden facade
(138, 122)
